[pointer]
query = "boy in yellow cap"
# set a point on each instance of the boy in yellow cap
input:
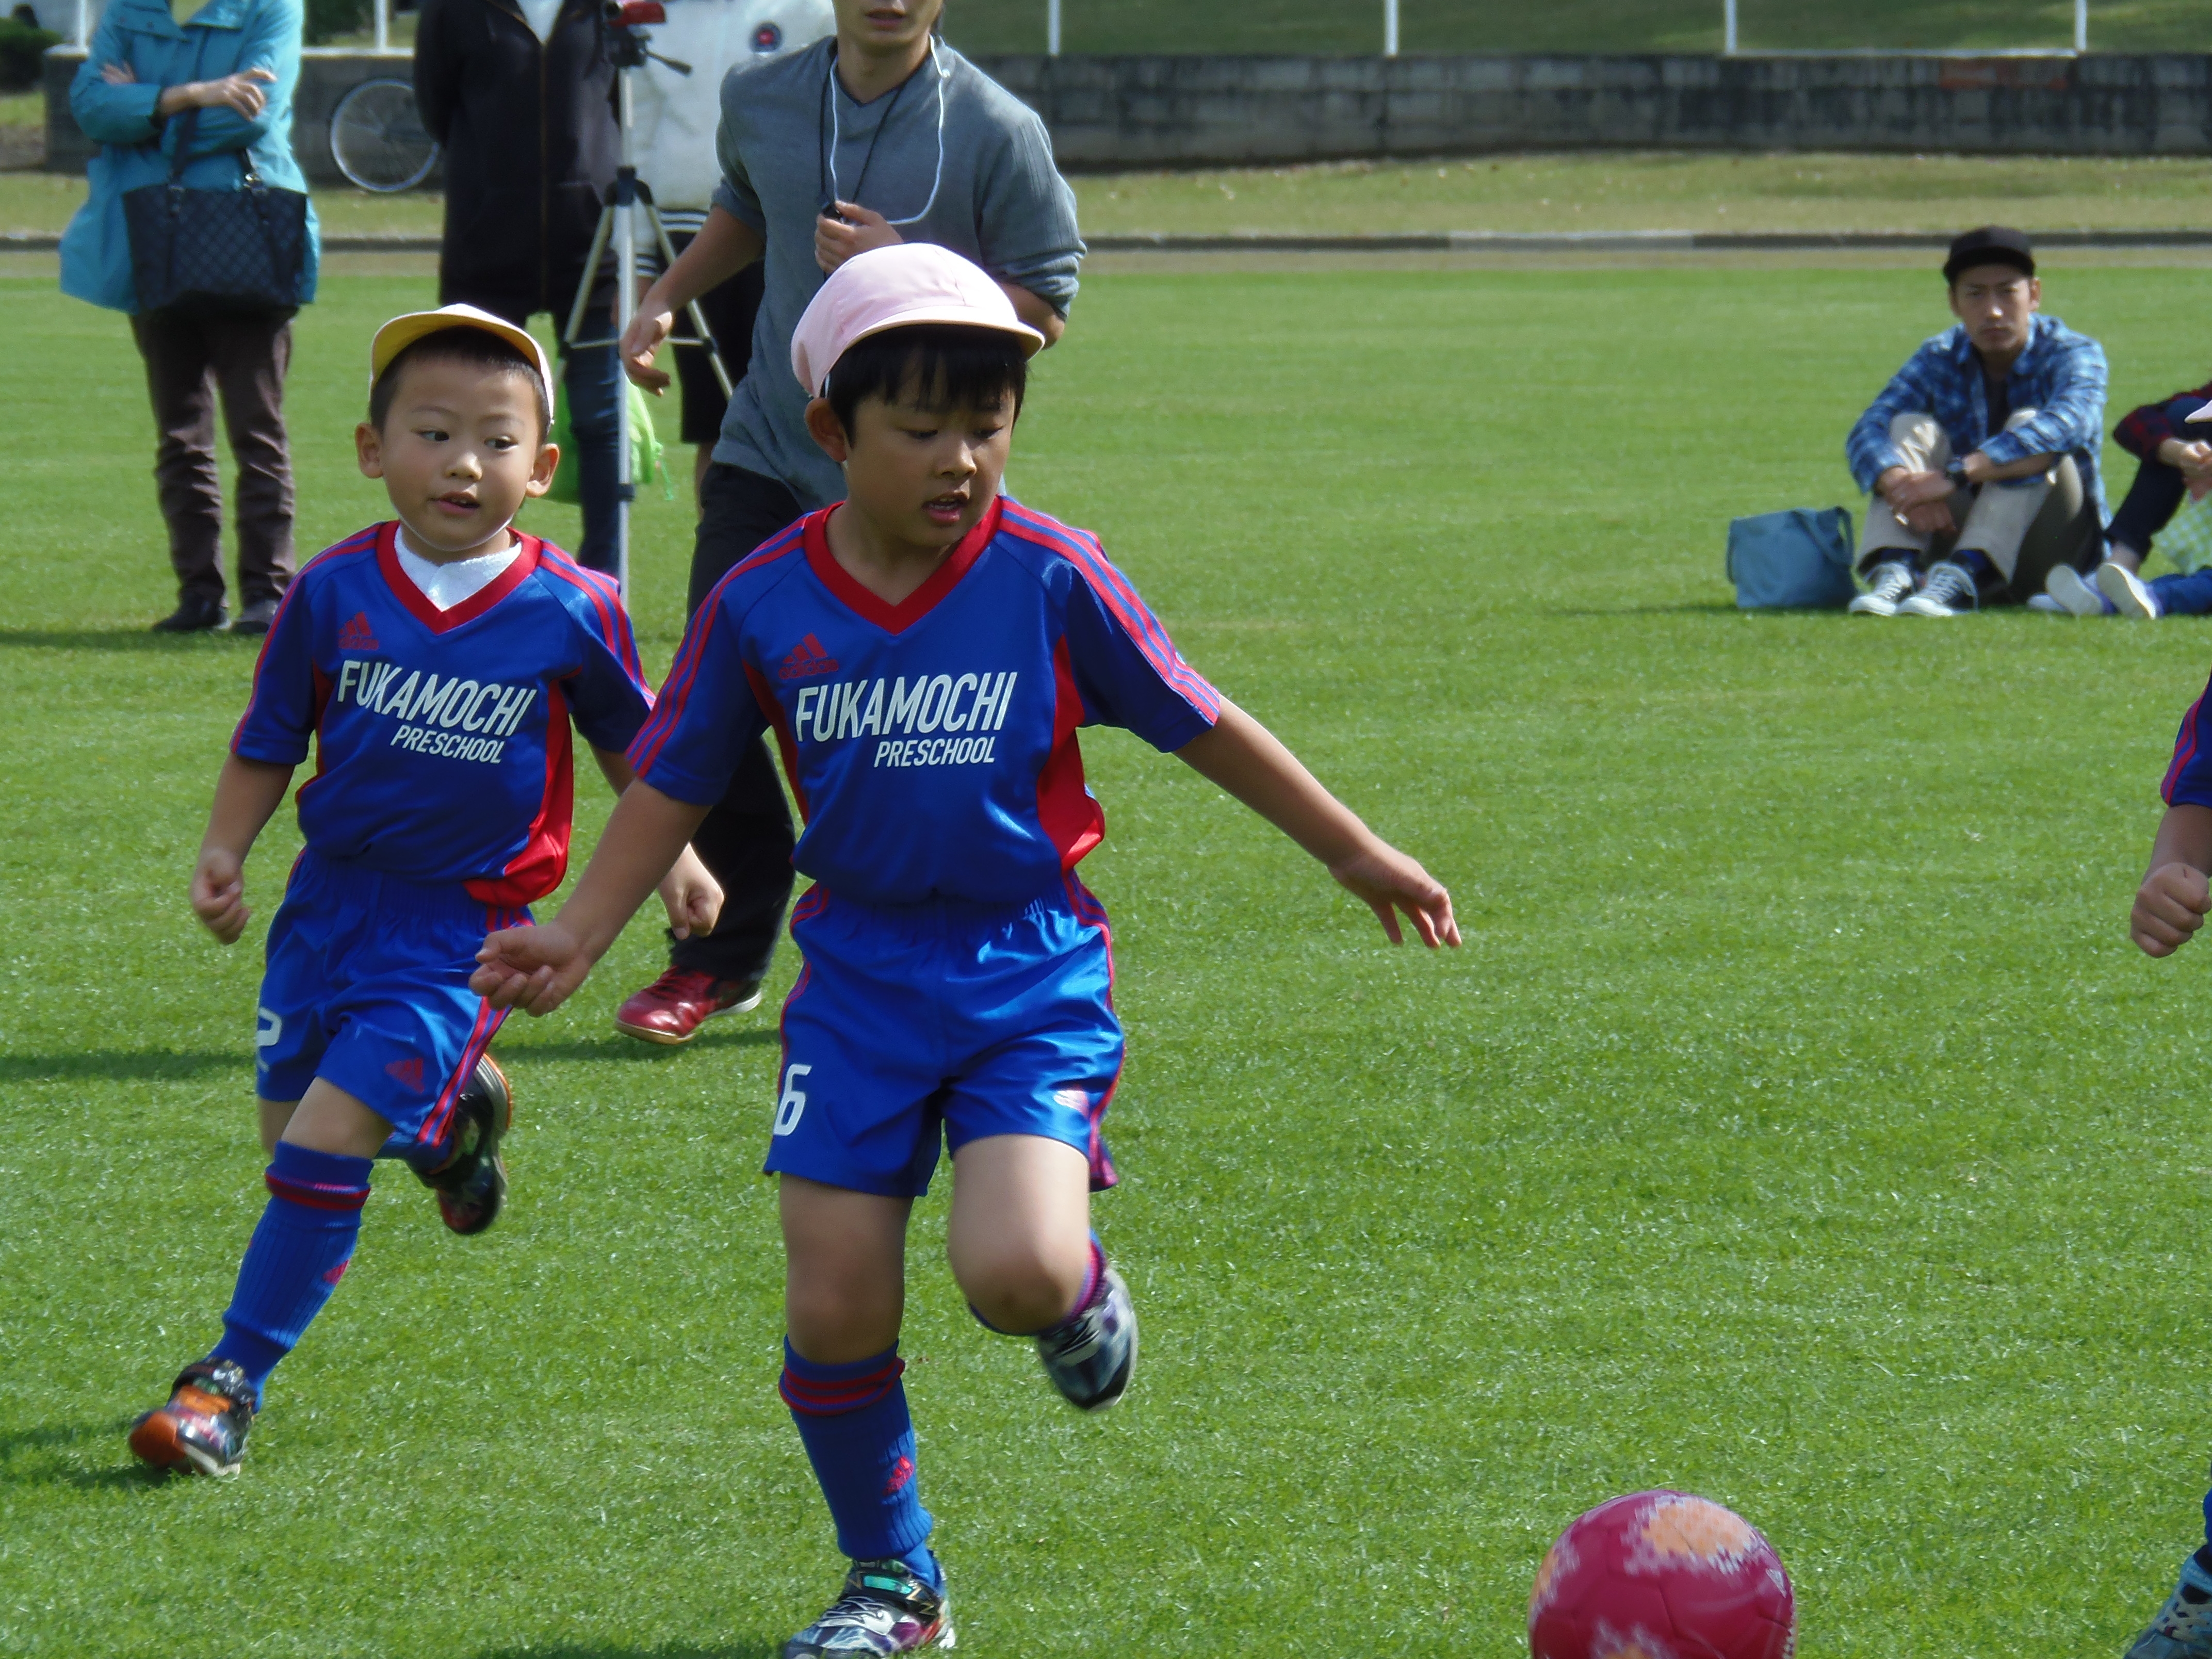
(436, 663)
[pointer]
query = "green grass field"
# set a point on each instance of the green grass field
(1645, 190)
(1796, 1126)
(1571, 26)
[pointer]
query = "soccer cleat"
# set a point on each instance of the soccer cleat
(886, 1607)
(674, 1007)
(203, 1426)
(1089, 1356)
(2129, 594)
(1949, 590)
(2073, 595)
(472, 1183)
(1889, 584)
(2182, 1628)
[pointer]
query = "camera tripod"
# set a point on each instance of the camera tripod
(619, 227)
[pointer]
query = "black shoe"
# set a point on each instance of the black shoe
(192, 616)
(203, 1425)
(471, 1184)
(256, 618)
(885, 1609)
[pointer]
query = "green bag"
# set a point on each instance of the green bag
(2187, 541)
(646, 448)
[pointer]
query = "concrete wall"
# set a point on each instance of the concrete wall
(324, 77)
(1168, 111)
(1123, 112)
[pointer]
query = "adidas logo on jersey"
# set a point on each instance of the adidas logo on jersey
(807, 659)
(407, 1074)
(357, 635)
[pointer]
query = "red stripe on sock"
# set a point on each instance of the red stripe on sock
(315, 1198)
(846, 1394)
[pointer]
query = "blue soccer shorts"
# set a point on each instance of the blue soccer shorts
(943, 1019)
(367, 988)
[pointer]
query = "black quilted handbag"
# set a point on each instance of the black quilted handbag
(216, 250)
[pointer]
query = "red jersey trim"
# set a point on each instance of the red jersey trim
(764, 694)
(895, 618)
(536, 869)
(1071, 817)
(419, 606)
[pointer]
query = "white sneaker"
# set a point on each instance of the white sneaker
(1889, 584)
(2066, 589)
(2045, 606)
(2129, 594)
(1949, 590)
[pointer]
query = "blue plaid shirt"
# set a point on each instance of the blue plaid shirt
(2061, 376)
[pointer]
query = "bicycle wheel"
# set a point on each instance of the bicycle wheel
(377, 137)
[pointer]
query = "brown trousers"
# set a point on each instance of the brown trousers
(191, 357)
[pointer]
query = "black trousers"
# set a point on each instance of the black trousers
(2156, 497)
(191, 358)
(746, 839)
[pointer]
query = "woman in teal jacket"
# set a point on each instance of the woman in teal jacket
(237, 62)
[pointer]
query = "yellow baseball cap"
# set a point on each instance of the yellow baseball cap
(396, 336)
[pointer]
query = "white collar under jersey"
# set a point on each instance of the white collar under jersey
(448, 585)
(540, 15)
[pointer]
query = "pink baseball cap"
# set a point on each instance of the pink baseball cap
(897, 287)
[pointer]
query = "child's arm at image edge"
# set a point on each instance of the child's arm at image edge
(2170, 904)
(247, 796)
(1245, 759)
(537, 969)
(690, 893)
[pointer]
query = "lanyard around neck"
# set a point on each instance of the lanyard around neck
(827, 135)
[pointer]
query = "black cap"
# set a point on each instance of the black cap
(1991, 245)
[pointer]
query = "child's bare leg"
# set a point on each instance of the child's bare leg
(1020, 1238)
(844, 1287)
(325, 1120)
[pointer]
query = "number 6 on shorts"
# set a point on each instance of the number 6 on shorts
(793, 1101)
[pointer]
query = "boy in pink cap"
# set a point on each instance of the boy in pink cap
(924, 653)
(434, 664)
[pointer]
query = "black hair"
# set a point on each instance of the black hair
(475, 347)
(932, 366)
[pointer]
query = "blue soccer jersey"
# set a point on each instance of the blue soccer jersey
(2189, 778)
(931, 744)
(441, 737)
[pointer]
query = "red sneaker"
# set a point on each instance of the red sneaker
(674, 1007)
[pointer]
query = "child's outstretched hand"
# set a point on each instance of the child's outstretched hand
(533, 969)
(691, 895)
(2169, 907)
(1390, 882)
(219, 893)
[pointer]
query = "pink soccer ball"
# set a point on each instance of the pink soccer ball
(1661, 1575)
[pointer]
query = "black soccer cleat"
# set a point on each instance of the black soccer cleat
(472, 1183)
(886, 1608)
(203, 1428)
(1090, 1357)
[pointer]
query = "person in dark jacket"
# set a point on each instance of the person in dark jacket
(2174, 449)
(520, 93)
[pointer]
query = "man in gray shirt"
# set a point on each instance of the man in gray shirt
(881, 134)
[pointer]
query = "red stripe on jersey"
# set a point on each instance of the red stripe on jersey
(1072, 819)
(606, 599)
(895, 618)
(418, 603)
(676, 691)
(1081, 549)
(2184, 751)
(363, 541)
(764, 694)
(487, 1023)
(536, 869)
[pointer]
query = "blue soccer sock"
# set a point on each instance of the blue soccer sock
(298, 1254)
(852, 1420)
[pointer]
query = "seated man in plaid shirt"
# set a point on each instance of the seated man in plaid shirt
(1980, 456)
